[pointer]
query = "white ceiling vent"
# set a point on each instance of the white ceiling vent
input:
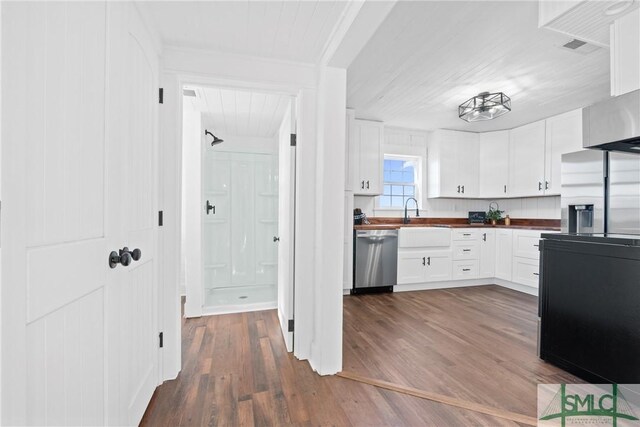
(580, 46)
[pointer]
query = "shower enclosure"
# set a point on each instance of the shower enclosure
(240, 231)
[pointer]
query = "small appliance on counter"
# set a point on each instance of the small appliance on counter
(477, 217)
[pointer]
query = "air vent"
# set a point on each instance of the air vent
(573, 44)
(189, 92)
(580, 46)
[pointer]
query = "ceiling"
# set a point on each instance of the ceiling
(286, 30)
(239, 112)
(422, 63)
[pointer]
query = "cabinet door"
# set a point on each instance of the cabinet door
(625, 54)
(504, 254)
(438, 267)
(526, 244)
(494, 164)
(564, 135)
(487, 254)
(442, 159)
(525, 271)
(411, 267)
(526, 160)
(369, 135)
(467, 153)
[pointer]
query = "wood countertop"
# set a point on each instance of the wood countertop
(385, 223)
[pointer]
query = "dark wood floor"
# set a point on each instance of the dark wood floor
(476, 344)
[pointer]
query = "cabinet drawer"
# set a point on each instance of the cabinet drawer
(466, 250)
(423, 237)
(465, 270)
(526, 271)
(526, 244)
(464, 234)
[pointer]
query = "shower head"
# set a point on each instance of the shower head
(216, 140)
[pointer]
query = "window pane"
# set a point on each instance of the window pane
(396, 190)
(397, 201)
(396, 176)
(385, 201)
(409, 190)
(387, 190)
(387, 175)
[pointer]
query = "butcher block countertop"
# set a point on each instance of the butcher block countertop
(387, 223)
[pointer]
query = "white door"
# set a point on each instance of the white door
(526, 160)
(487, 253)
(504, 253)
(79, 352)
(286, 223)
(494, 163)
(438, 267)
(411, 267)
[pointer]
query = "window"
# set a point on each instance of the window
(401, 181)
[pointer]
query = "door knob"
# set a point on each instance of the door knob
(276, 239)
(124, 256)
(210, 208)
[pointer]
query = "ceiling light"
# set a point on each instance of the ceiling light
(618, 7)
(484, 106)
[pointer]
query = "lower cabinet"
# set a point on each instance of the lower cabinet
(525, 271)
(504, 253)
(487, 266)
(423, 266)
(466, 269)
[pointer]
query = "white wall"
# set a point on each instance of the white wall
(531, 207)
(318, 320)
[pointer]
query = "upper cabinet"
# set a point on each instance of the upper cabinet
(452, 164)
(563, 135)
(494, 164)
(625, 54)
(366, 141)
(526, 160)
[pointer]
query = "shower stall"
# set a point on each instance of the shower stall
(239, 231)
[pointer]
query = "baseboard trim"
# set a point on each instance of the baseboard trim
(446, 400)
(461, 284)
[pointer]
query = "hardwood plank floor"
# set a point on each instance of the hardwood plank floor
(475, 344)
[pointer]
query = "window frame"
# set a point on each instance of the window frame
(417, 180)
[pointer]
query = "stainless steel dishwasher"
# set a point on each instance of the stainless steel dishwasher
(375, 261)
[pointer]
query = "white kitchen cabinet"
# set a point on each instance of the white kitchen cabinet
(453, 165)
(527, 160)
(526, 244)
(487, 265)
(504, 255)
(466, 250)
(420, 266)
(525, 271)
(465, 270)
(563, 135)
(494, 164)
(625, 54)
(367, 142)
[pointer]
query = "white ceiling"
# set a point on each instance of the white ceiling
(290, 30)
(428, 57)
(240, 112)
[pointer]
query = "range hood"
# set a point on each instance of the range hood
(613, 125)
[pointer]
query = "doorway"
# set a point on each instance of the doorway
(238, 201)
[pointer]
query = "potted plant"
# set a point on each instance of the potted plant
(494, 214)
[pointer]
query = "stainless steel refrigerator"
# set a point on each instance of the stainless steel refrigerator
(600, 192)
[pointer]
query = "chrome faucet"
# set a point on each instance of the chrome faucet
(406, 215)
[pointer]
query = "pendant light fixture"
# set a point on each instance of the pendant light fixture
(484, 106)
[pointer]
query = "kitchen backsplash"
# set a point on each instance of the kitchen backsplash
(531, 207)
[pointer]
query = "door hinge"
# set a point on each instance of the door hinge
(161, 95)
(294, 139)
(160, 218)
(290, 326)
(161, 337)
